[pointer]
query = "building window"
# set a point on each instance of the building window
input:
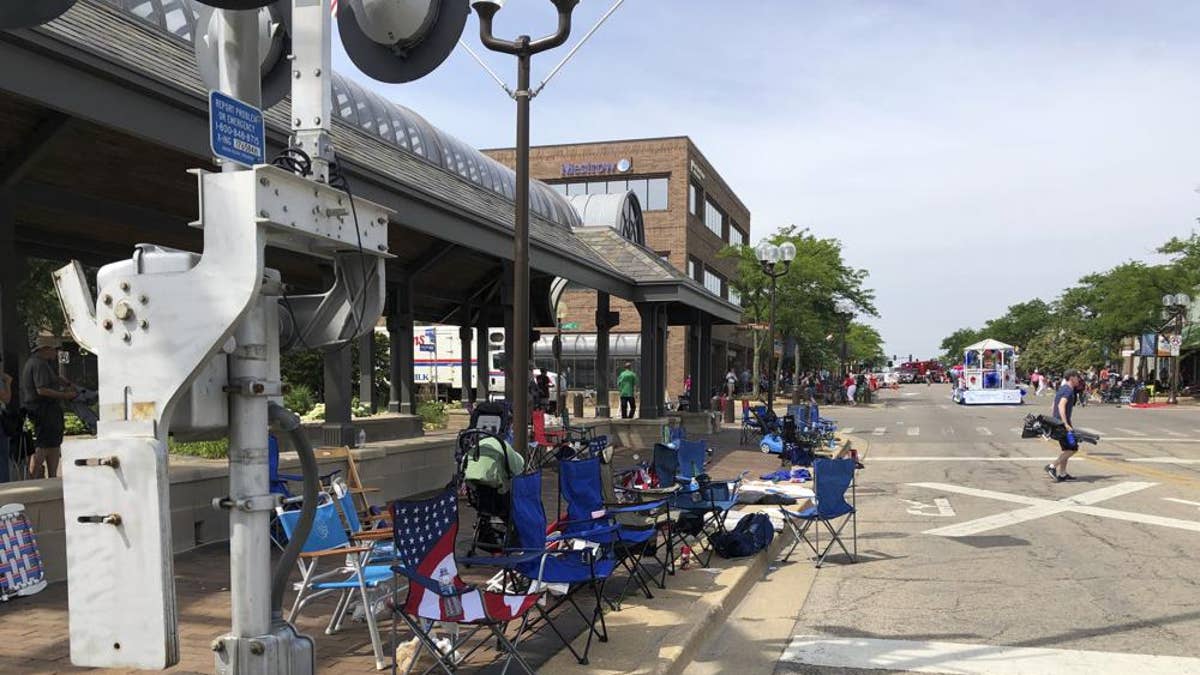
(736, 236)
(713, 282)
(735, 297)
(651, 192)
(656, 194)
(714, 219)
(691, 270)
(695, 206)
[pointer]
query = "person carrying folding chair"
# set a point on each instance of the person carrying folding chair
(832, 478)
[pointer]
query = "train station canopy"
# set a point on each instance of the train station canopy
(102, 113)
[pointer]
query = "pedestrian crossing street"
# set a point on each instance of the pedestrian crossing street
(898, 428)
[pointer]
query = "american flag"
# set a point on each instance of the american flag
(424, 533)
(333, 8)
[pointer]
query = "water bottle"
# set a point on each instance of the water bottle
(694, 487)
(361, 439)
(451, 603)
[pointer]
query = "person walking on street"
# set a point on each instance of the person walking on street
(627, 382)
(851, 388)
(41, 391)
(731, 381)
(1064, 405)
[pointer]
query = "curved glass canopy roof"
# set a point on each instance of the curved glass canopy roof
(393, 123)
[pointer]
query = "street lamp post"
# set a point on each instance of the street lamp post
(775, 261)
(845, 311)
(1175, 308)
(524, 48)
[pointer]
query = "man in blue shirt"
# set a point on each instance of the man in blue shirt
(1064, 404)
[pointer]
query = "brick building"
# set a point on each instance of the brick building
(690, 214)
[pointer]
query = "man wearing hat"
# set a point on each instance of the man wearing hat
(41, 391)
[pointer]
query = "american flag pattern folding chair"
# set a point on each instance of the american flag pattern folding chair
(21, 571)
(425, 532)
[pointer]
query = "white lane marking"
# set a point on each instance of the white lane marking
(940, 508)
(975, 659)
(1172, 433)
(1181, 501)
(983, 431)
(969, 459)
(914, 431)
(1143, 439)
(1038, 508)
(1131, 432)
(879, 431)
(1162, 460)
(848, 430)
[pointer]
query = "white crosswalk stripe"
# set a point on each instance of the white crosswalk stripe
(879, 431)
(914, 431)
(983, 431)
(1131, 432)
(974, 659)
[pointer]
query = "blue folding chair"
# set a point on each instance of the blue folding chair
(580, 484)
(831, 479)
(711, 499)
(379, 539)
(350, 578)
(580, 569)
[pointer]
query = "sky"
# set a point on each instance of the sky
(970, 155)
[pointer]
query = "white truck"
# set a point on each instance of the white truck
(437, 361)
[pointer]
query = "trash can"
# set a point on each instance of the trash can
(577, 406)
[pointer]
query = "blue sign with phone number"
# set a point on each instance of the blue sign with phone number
(236, 130)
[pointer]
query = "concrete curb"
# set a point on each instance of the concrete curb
(647, 639)
(718, 609)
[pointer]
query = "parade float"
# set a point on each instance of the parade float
(988, 375)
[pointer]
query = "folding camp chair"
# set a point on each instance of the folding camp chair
(831, 479)
(21, 570)
(581, 560)
(711, 499)
(424, 533)
(581, 486)
(379, 538)
(352, 577)
(750, 423)
(636, 486)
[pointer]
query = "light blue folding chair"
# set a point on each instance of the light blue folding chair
(349, 579)
(832, 478)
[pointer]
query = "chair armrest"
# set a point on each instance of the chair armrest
(335, 551)
(430, 585)
(633, 508)
(503, 561)
(373, 535)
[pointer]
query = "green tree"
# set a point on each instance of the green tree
(807, 296)
(37, 300)
(954, 344)
(864, 346)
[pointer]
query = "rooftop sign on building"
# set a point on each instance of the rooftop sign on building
(597, 168)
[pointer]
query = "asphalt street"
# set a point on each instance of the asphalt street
(973, 561)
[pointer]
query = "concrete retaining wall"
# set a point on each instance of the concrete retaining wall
(398, 469)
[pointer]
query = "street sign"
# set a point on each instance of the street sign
(236, 130)
(1176, 343)
(571, 325)
(428, 348)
